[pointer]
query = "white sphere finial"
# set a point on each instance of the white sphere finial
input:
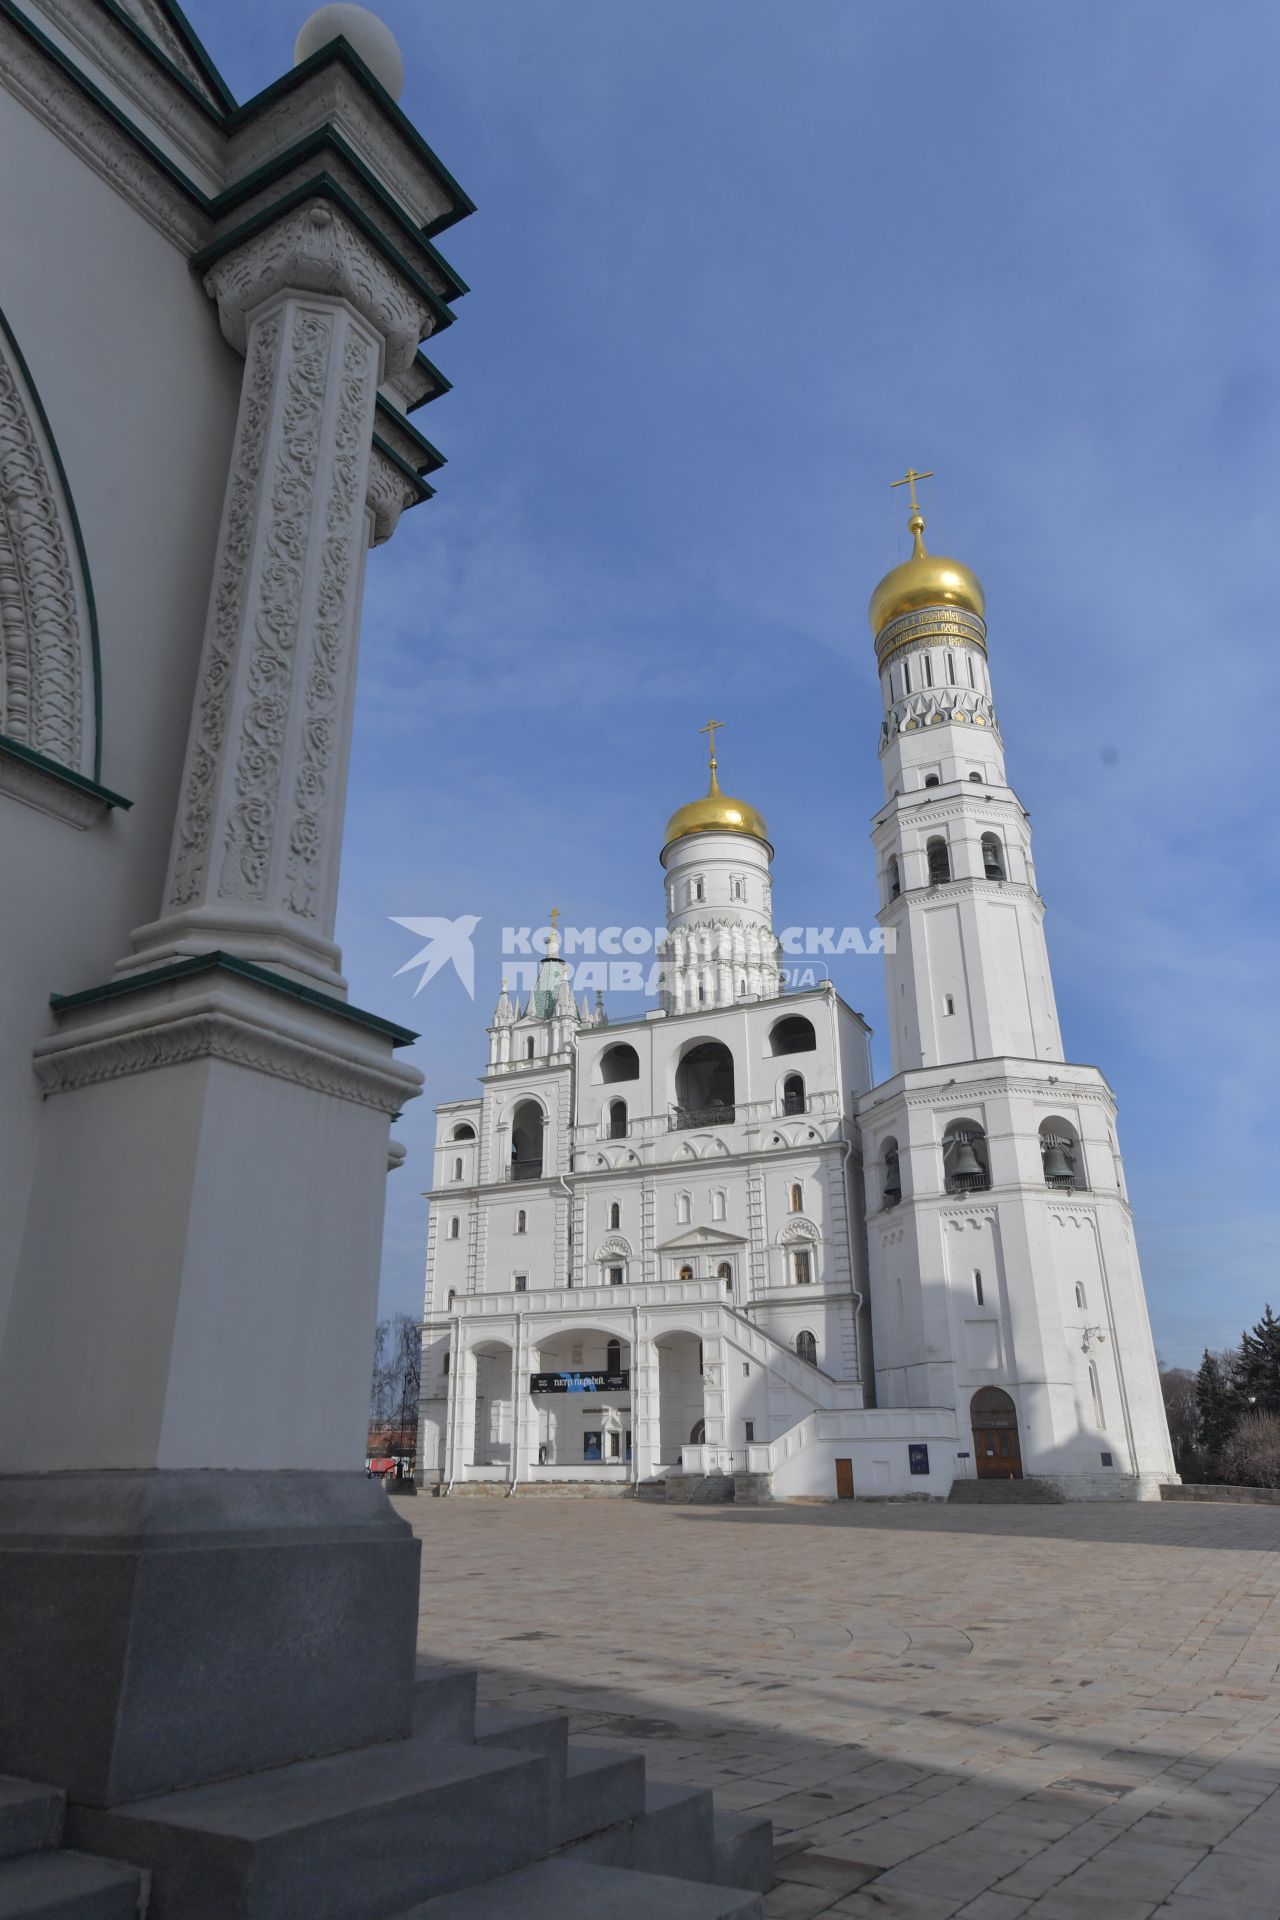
(372, 39)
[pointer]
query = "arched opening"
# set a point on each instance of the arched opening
(890, 1174)
(796, 1198)
(1060, 1154)
(807, 1348)
(992, 857)
(684, 1209)
(613, 1357)
(680, 1404)
(529, 1048)
(932, 780)
(617, 1119)
(705, 1086)
(686, 1271)
(522, 1221)
(580, 1400)
(494, 1422)
(1082, 1299)
(463, 1131)
(698, 1433)
(939, 858)
(893, 877)
(457, 1169)
(455, 1227)
(965, 1162)
(719, 1201)
(724, 1274)
(615, 1215)
(793, 1093)
(450, 1300)
(619, 1062)
(793, 1035)
(977, 777)
(996, 1451)
(526, 1141)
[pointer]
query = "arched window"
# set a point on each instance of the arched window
(1095, 1390)
(1060, 1154)
(452, 1297)
(807, 1348)
(976, 776)
(724, 1272)
(948, 1003)
(617, 1119)
(615, 1215)
(797, 1197)
(951, 668)
(964, 1157)
(793, 1093)
(455, 1227)
(932, 780)
(529, 1048)
(613, 1357)
(695, 889)
(698, 1433)
(992, 857)
(704, 1085)
(444, 1364)
(526, 1141)
(939, 860)
(463, 1131)
(801, 1267)
(686, 1272)
(522, 1221)
(893, 877)
(718, 1204)
(457, 1169)
(891, 1176)
(1081, 1297)
(793, 1035)
(684, 1207)
(619, 1062)
(977, 1286)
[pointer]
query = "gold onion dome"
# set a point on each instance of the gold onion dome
(925, 580)
(717, 812)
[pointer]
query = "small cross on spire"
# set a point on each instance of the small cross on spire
(711, 728)
(909, 479)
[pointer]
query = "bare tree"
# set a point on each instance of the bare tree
(1251, 1457)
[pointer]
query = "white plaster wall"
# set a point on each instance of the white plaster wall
(141, 393)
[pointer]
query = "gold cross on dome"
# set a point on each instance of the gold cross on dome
(711, 728)
(553, 916)
(909, 479)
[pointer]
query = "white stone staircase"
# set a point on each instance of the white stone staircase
(476, 1813)
(39, 1880)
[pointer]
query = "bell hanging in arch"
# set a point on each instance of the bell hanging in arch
(966, 1162)
(1058, 1170)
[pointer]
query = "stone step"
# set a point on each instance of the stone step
(69, 1886)
(676, 1833)
(355, 1836)
(602, 1786)
(742, 1850)
(654, 1488)
(1006, 1493)
(576, 1890)
(444, 1702)
(30, 1817)
(542, 1733)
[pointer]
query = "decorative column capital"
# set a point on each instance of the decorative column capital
(318, 248)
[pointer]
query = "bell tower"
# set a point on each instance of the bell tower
(968, 972)
(1004, 1276)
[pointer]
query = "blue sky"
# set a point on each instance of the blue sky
(735, 265)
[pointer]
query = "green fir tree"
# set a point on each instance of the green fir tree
(1258, 1369)
(1217, 1407)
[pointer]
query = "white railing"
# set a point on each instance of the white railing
(592, 1298)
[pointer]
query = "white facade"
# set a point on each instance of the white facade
(713, 1211)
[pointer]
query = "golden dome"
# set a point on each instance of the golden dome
(716, 813)
(925, 580)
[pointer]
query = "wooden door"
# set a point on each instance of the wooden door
(844, 1480)
(996, 1450)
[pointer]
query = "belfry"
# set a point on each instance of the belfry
(700, 1245)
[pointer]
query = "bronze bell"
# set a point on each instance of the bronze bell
(892, 1181)
(966, 1161)
(1056, 1164)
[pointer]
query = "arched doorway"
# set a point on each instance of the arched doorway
(995, 1435)
(680, 1397)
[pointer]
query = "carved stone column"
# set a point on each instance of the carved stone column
(321, 318)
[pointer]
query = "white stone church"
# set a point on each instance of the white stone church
(702, 1242)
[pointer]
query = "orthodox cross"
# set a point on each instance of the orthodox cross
(909, 479)
(711, 728)
(553, 916)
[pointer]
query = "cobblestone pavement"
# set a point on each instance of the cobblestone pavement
(1049, 1711)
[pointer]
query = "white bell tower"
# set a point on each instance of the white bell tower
(1004, 1274)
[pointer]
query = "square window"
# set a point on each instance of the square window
(1108, 1460)
(522, 1281)
(616, 1276)
(750, 1427)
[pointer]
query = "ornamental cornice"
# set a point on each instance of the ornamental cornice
(939, 626)
(934, 706)
(966, 887)
(317, 248)
(66, 1064)
(984, 812)
(964, 1095)
(392, 487)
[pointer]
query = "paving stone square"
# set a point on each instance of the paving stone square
(991, 1712)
